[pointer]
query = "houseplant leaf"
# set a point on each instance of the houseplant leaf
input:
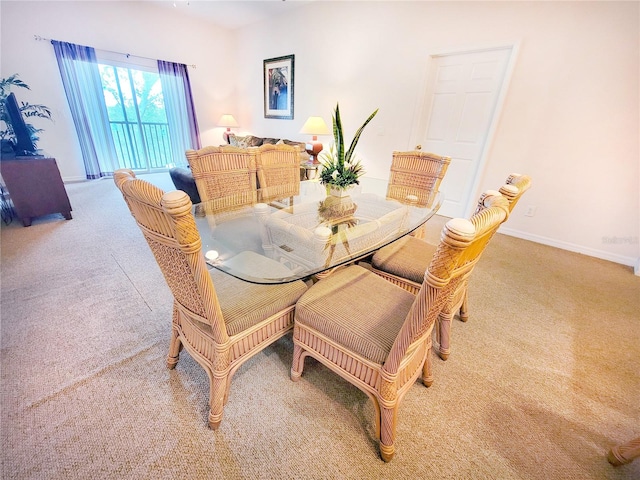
(354, 142)
(339, 168)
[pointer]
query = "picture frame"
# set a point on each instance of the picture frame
(278, 76)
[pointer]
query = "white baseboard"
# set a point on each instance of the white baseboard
(74, 179)
(592, 252)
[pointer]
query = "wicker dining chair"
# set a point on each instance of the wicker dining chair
(522, 183)
(221, 326)
(278, 172)
(403, 263)
(418, 175)
(377, 335)
(226, 174)
(624, 453)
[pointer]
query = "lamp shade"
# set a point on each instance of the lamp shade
(315, 126)
(227, 120)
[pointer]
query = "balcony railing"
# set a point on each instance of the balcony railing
(148, 150)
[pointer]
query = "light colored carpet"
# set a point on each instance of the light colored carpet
(541, 382)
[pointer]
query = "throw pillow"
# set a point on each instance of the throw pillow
(255, 141)
(244, 142)
(304, 156)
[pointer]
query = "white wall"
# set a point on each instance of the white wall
(128, 27)
(570, 119)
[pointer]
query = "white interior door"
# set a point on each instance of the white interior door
(462, 92)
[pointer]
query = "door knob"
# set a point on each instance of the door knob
(418, 147)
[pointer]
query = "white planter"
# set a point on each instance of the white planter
(340, 192)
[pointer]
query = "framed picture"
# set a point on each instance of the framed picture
(278, 87)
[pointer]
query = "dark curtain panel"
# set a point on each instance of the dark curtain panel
(181, 113)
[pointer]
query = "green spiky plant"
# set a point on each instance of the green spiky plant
(340, 168)
(28, 110)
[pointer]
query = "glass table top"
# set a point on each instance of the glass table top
(305, 235)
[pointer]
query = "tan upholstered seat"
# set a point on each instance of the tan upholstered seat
(416, 174)
(377, 335)
(403, 263)
(225, 174)
(278, 172)
(220, 320)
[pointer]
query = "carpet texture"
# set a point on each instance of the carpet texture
(542, 380)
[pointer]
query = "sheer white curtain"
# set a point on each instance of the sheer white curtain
(81, 80)
(82, 84)
(178, 105)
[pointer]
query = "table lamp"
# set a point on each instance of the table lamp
(228, 121)
(314, 126)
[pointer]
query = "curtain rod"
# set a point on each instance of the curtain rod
(43, 39)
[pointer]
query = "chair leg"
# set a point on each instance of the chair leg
(388, 432)
(217, 393)
(464, 308)
(427, 371)
(420, 232)
(443, 334)
(625, 453)
(175, 346)
(298, 363)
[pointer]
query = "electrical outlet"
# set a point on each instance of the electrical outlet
(531, 211)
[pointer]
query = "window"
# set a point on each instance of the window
(119, 109)
(137, 117)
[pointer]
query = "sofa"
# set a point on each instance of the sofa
(183, 179)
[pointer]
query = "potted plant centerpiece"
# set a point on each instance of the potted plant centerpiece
(340, 170)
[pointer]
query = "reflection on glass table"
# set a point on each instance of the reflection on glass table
(308, 234)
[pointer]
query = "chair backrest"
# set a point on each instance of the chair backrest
(168, 225)
(278, 172)
(416, 173)
(515, 185)
(226, 174)
(461, 244)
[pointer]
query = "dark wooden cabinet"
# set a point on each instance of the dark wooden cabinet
(35, 187)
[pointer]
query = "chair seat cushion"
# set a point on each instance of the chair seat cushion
(408, 258)
(357, 309)
(245, 304)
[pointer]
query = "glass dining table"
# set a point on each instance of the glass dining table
(307, 235)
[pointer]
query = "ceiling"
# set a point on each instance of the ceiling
(231, 13)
